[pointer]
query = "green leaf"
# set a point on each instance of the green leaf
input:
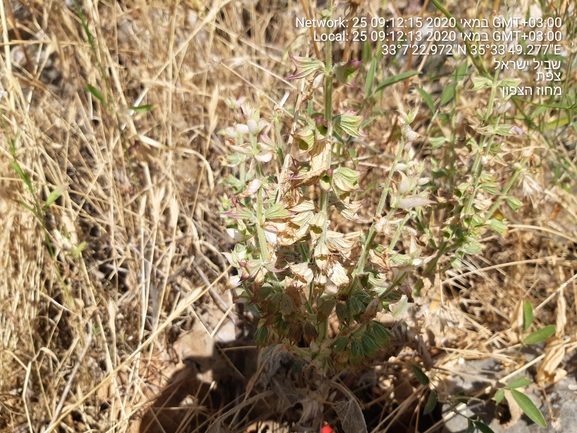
(356, 349)
(497, 225)
(420, 375)
(395, 79)
(342, 312)
(518, 383)
(356, 305)
(484, 428)
(431, 403)
(344, 72)
(529, 408)
(260, 335)
(400, 308)
(470, 426)
(53, 197)
(449, 93)
(341, 344)
(499, 395)
(472, 247)
(540, 335)
(304, 67)
(306, 137)
(380, 332)
(349, 123)
(527, 315)
(142, 108)
(480, 83)
(345, 180)
(509, 82)
(427, 98)
(276, 211)
(490, 187)
(370, 346)
(77, 253)
(96, 93)
(437, 142)
(514, 203)
(538, 111)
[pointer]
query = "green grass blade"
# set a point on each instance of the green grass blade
(142, 108)
(370, 78)
(97, 94)
(53, 197)
(395, 79)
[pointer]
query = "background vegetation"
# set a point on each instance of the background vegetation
(111, 187)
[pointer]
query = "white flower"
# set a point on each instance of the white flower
(254, 186)
(235, 234)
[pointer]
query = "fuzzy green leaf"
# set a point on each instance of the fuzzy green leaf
(341, 344)
(276, 211)
(349, 123)
(514, 203)
(370, 346)
(381, 333)
(345, 180)
(356, 349)
(480, 83)
(342, 312)
(497, 226)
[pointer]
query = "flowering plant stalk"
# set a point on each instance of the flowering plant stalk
(291, 266)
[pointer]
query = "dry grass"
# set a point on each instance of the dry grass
(86, 334)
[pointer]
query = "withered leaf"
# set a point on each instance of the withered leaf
(351, 416)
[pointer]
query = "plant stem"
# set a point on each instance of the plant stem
(260, 219)
(324, 203)
(380, 207)
(505, 191)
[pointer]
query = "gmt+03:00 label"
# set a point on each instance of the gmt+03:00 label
(439, 35)
(508, 40)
